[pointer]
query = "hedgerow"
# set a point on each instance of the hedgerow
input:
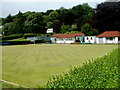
(29, 35)
(14, 36)
(99, 73)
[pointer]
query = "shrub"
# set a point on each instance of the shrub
(21, 42)
(14, 36)
(100, 73)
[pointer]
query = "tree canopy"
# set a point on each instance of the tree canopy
(79, 18)
(107, 16)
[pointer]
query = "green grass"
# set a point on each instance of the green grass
(101, 73)
(19, 39)
(32, 65)
(7, 85)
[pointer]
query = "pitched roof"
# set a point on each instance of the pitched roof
(110, 34)
(67, 35)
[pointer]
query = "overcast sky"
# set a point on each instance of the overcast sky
(14, 6)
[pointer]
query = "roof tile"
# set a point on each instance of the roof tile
(110, 34)
(67, 35)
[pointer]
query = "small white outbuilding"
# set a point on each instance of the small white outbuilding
(49, 30)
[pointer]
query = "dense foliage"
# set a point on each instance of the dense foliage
(105, 17)
(38, 22)
(14, 36)
(29, 35)
(99, 73)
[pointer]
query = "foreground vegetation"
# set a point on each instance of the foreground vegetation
(7, 85)
(32, 65)
(100, 73)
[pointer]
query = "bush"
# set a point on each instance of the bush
(101, 73)
(14, 36)
(21, 42)
(29, 35)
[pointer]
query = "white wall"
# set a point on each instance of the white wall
(65, 40)
(90, 39)
(105, 40)
(116, 40)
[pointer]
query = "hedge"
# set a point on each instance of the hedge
(21, 42)
(99, 73)
(14, 36)
(29, 35)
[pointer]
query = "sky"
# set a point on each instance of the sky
(14, 6)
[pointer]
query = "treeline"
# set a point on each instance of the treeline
(80, 18)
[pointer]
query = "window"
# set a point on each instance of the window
(100, 38)
(87, 38)
(110, 38)
(91, 38)
(55, 39)
(119, 38)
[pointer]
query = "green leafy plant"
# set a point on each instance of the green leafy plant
(99, 73)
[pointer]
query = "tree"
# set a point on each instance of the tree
(9, 28)
(88, 13)
(74, 27)
(107, 16)
(85, 29)
(88, 30)
(57, 26)
(48, 11)
(77, 11)
(8, 19)
(53, 15)
(34, 23)
(65, 28)
(46, 19)
(49, 24)
(19, 21)
(72, 32)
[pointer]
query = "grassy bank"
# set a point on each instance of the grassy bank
(100, 73)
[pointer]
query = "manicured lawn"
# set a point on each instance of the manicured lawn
(7, 85)
(32, 65)
(19, 39)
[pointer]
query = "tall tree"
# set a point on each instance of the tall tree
(9, 28)
(65, 28)
(19, 20)
(8, 19)
(57, 26)
(50, 25)
(107, 16)
(53, 15)
(88, 13)
(34, 23)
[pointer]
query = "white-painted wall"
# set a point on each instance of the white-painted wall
(105, 40)
(90, 39)
(65, 40)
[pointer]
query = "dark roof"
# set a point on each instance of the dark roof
(67, 35)
(110, 34)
